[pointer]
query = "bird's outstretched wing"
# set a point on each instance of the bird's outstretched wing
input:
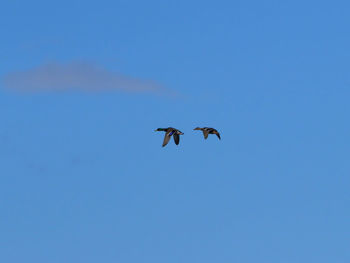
(176, 139)
(166, 138)
(205, 133)
(218, 134)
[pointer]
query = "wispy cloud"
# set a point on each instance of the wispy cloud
(77, 76)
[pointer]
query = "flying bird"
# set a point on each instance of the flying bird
(206, 131)
(170, 132)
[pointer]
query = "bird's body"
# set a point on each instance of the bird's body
(206, 131)
(170, 132)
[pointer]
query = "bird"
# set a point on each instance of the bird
(206, 131)
(170, 132)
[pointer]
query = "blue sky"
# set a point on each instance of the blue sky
(83, 176)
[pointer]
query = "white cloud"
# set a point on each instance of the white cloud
(76, 76)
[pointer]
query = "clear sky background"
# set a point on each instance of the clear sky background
(83, 176)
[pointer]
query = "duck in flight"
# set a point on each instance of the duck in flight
(170, 132)
(206, 131)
